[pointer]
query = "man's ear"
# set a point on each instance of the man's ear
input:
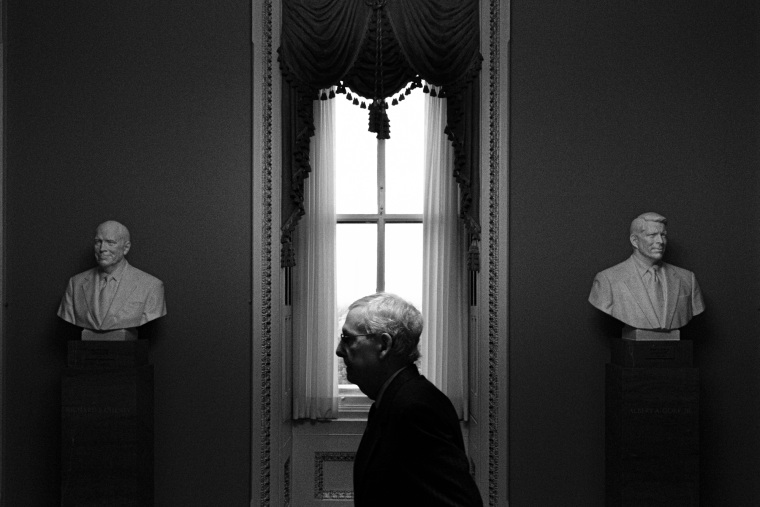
(386, 343)
(634, 241)
(127, 246)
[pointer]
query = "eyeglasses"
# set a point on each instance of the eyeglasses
(345, 338)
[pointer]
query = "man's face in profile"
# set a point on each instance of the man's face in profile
(110, 246)
(651, 242)
(360, 353)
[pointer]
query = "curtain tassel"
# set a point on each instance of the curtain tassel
(332, 94)
(349, 97)
(323, 96)
(433, 93)
(378, 119)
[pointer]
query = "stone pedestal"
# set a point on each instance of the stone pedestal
(107, 425)
(652, 425)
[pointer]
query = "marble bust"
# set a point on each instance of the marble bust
(643, 291)
(114, 295)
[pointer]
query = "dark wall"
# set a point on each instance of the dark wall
(618, 108)
(140, 112)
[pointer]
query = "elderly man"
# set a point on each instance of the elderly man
(412, 452)
(643, 291)
(113, 295)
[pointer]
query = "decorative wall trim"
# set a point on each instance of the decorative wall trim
(266, 255)
(2, 236)
(320, 493)
(493, 253)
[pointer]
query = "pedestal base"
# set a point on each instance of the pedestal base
(115, 335)
(107, 425)
(655, 335)
(652, 436)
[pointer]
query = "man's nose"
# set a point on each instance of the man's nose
(339, 350)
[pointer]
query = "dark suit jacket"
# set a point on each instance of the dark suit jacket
(619, 291)
(412, 452)
(138, 299)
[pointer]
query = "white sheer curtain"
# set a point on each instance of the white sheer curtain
(443, 343)
(315, 377)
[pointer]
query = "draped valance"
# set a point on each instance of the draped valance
(375, 48)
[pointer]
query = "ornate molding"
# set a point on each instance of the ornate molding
(266, 255)
(493, 254)
(320, 493)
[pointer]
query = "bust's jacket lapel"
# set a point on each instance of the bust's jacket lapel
(88, 291)
(671, 300)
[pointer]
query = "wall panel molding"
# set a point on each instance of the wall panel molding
(321, 492)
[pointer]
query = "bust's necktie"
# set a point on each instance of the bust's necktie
(658, 297)
(103, 298)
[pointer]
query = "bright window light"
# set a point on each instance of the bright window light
(379, 229)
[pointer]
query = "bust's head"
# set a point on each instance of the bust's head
(648, 236)
(111, 245)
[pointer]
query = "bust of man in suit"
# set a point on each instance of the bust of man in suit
(114, 294)
(643, 291)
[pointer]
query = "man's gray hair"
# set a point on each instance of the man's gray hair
(388, 313)
(639, 223)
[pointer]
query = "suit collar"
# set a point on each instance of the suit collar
(404, 375)
(118, 272)
(388, 383)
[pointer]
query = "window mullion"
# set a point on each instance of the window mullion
(381, 215)
(400, 218)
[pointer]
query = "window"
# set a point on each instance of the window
(363, 231)
(379, 205)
